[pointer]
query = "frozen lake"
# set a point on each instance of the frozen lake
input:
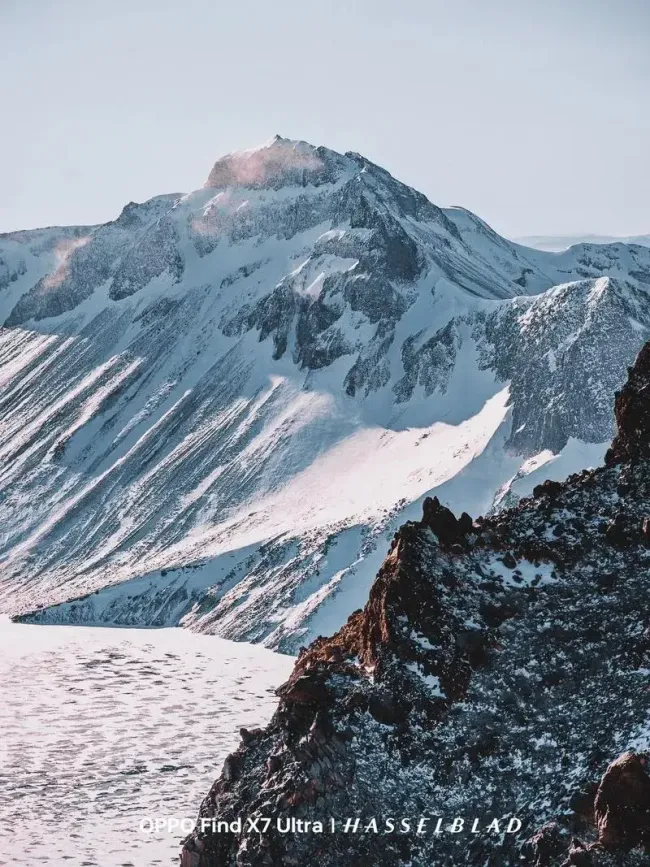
(103, 728)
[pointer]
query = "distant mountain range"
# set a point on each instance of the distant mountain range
(217, 409)
(557, 243)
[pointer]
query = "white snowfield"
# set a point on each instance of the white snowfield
(105, 731)
(216, 410)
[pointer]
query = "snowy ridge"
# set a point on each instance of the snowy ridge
(218, 408)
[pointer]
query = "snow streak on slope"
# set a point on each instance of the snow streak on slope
(218, 408)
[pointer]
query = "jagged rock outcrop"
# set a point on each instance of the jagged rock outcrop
(498, 672)
(622, 804)
(632, 411)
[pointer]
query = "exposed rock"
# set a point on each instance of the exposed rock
(622, 805)
(546, 845)
(443, 522)
(632, 411)
(645, 531)
(548, 488)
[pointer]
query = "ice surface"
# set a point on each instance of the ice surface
(101, 728)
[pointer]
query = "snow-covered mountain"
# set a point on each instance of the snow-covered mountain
(218, 408)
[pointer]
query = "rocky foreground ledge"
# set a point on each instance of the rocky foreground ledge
(499, 670)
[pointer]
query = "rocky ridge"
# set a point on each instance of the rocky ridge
(499, 669)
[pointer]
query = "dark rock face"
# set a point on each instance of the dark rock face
(428, 365)
(498, 666)
(156, 254)
(448, 529)
(622, 804)
(632, 411)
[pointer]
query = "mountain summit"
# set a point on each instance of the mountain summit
(218, 407)
(280, 163)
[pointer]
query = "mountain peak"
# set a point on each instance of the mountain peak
(278, 163)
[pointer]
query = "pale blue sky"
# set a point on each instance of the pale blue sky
(533, 114)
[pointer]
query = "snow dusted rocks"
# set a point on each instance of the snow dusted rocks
(498, 670)
(217, 409)
(85, 262)
(566, 387)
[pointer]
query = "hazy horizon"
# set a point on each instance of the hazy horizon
(531, 117)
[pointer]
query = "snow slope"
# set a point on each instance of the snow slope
(217, 409)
